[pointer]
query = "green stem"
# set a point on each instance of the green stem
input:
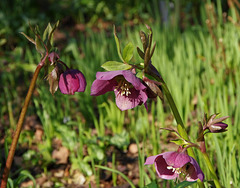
(212, 171)
(181, 128)
(19, 125)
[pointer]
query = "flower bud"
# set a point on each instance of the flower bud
(72, 81)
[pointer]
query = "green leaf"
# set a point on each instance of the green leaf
(50, 36)
(179, 142)
(118, 44)
(128, 52)
(153, 184)
(39, 47)
(117, 172)
(185, 184)
(30, 39)
(114, 65)
(47, 31)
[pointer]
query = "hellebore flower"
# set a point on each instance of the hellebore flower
(72, 81)
(170, 165)
(216, 125)
(128, 89)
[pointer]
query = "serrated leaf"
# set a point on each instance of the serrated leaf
(114, 65)
(117, 44)
(39, 46)
(128, 52)
(30, 39)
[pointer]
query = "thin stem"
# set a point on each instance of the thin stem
(19, 124)
(212, 171)
(209, 164)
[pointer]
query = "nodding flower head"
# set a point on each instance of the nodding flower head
(171, 165)
(215, 125)
(128, 89)
(72, 81)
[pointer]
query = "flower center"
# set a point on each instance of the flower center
(183, 172)
(175, 170)
(123, 88)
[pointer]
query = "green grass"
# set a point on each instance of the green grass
(200, 79)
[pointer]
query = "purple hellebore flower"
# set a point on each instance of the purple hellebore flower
(218, 127)
(72, 81)
(128, 89)
(170, 165)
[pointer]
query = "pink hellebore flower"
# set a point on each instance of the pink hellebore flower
(170, 165)
(72, 81)
(128, 89)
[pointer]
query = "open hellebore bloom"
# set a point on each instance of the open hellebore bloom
(72, 81)
(128, 89)
(170, 165)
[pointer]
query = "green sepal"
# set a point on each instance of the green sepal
(128, 52)
(50, 36)
(39, 47)
(118, 45)
(114, 65)
(140, 53)
(180, 142)
(29, 38)
(139, 75)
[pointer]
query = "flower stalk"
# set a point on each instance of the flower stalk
(20, 123)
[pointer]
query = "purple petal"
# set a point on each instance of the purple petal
(100, 87)
(176, 159)
(151, 159)
(72, 81)
(127, 74)
(108, 75)
(82, 82)
(218, 127)
(130, 77)
(194, 171)
(132, 100)
(68, 84)
(162, 170)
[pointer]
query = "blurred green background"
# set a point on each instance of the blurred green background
(67, 141)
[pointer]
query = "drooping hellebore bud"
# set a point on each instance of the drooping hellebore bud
(72, 81)
(216, 125)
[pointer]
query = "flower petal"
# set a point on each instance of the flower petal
(100, 87)
(176, 159)
(194, 171)
(151, 159)
(132, 100)
(130, 77)
(162, 169)
(108, 75)
(68, 83)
